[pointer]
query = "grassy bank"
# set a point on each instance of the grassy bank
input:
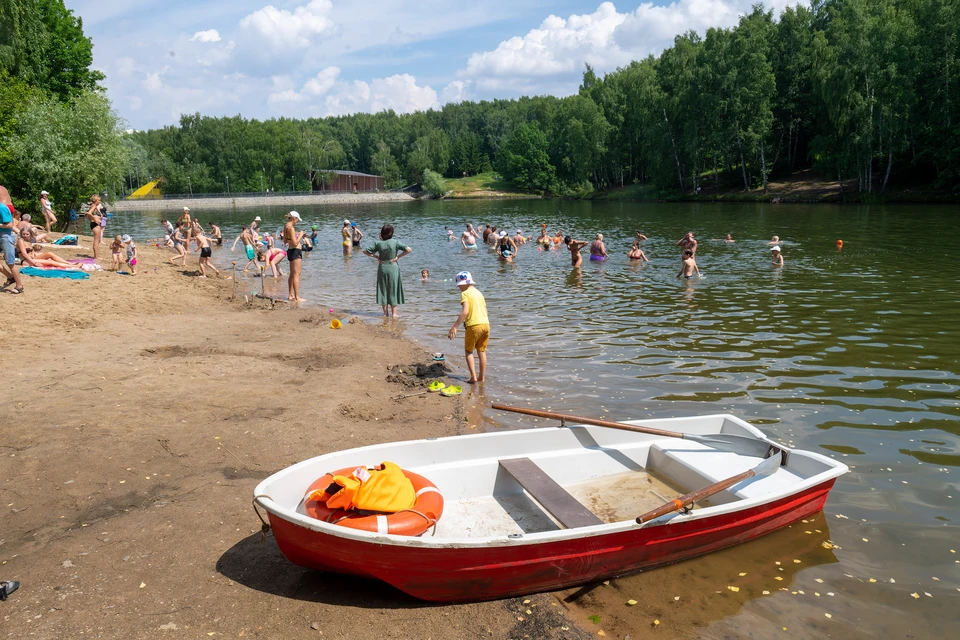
(802, 186)
(484, 185)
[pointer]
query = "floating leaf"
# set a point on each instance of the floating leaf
(872, 580)
(777, 578)
(864, 539)
(595, 618)
(742, 574)
(630, 603)
(820, 580)
(915, 595)
(656, 622)
(766, 593)
(143, 584)
(734, 589)
(828, 615)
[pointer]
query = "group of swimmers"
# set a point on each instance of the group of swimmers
(507, 246)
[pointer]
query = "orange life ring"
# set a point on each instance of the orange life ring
(411, 522)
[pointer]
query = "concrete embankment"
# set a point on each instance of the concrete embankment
(286, 200)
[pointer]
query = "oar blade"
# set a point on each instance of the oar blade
(741, 445)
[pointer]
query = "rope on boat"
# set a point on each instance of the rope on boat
(264, 526)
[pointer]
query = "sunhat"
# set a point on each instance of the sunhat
(44, 193)
(126, 238)
(294, 214)
(345, 221)
(775, 248)
(463, 277)
(257, 219)
(353, 224)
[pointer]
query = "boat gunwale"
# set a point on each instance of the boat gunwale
(261, 498)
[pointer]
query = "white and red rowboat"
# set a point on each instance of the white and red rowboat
(499, 538)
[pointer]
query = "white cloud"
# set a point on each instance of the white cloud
(282, 30)
(324, 94)
(456, 91)
(556, 47)
(210, 35)
(551, 57)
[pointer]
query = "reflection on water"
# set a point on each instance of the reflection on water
(853, 354)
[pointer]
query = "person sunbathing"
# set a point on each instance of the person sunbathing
(32, 256)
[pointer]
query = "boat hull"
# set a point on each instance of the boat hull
(452, 573)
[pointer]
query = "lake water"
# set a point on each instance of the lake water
(851, 353)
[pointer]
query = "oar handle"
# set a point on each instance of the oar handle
(581, 420)
(695, 496)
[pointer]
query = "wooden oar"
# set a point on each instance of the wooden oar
(765, 468)
(743, 445)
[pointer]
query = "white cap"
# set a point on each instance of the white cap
(294, 214)
(775, 248)
(463, 277)
(125, 238)
(345, 221)
(186, 208)
(44, 193)
(257, 219)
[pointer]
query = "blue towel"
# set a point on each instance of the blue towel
(54, 273)
(66, 240)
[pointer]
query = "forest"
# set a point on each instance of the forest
(57, 129)
(863, 92)
(858, 90)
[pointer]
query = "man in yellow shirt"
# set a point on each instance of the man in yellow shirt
(473, 315)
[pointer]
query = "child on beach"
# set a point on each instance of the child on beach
(689, 266)
(131, 254)
(473, 315)
(424, 276)
(116, 249)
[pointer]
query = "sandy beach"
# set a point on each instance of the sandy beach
(140, 413)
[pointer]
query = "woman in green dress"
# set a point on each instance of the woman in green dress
(388, 251)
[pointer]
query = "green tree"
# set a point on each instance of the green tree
(433, 183)
(523, 159)
(384, 164)
(71, 149)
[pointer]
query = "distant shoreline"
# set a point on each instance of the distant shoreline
(284, 200)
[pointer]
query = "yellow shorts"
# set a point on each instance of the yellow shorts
(476, 337)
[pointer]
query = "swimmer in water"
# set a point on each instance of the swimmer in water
(424, 276)
(543, 239)
(688, 243)
(506, 247)
(598, 252)
(469, 238)
(777, 256)
(640, 236)
(774, 240)
(636, 254)
(689, 267)
(575, 246)
(519, 239)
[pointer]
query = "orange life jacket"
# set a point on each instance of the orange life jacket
(384, 489)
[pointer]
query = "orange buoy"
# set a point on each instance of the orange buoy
(410, 522)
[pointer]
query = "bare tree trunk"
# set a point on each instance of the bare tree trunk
(716, 178)
(763, 168)
(870, 147)
(673, 143)
(743, 167)
(840, 180)
(889, 162)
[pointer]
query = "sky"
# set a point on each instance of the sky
(314, 58)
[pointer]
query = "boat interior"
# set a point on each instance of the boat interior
(532, 481)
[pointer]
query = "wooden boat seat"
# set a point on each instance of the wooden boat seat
(551, 496)
(694, 465)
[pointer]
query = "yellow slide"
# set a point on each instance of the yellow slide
(148, 191)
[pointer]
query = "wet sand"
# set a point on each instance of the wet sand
(139, 414)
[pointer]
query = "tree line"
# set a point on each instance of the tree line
(864, 92)
(57, 129)
(861, 91)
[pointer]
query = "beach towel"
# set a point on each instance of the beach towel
(54, 273)
(69, 240)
